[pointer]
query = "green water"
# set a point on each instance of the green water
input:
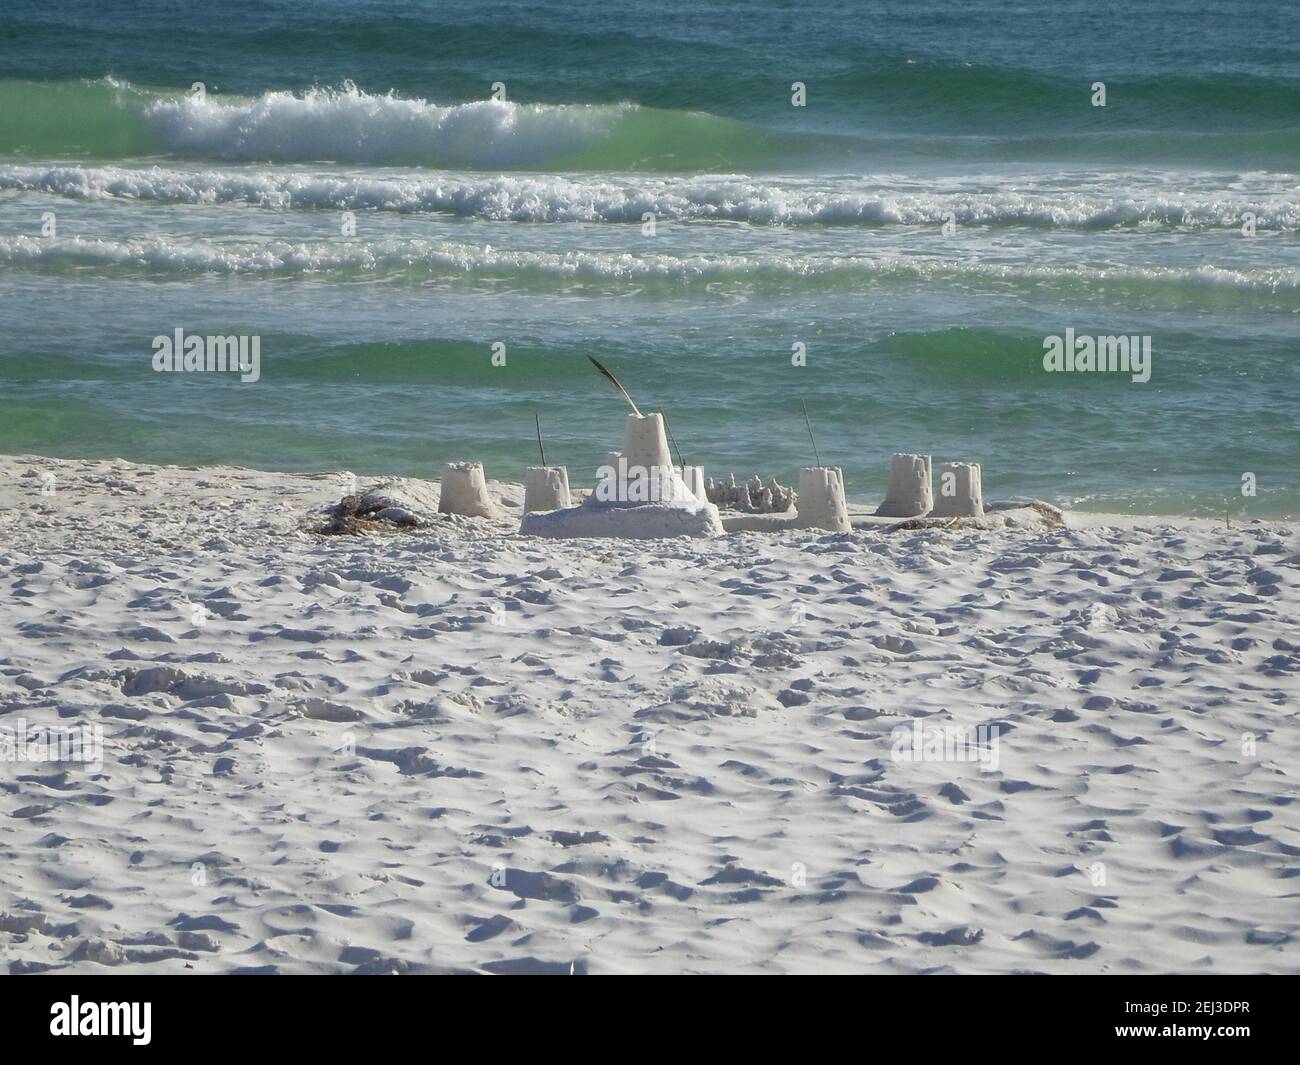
(347, 190)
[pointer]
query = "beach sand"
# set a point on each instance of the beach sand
(459, 749)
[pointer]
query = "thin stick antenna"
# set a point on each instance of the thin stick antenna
(538, 417)
(680, 461)
(808, 422)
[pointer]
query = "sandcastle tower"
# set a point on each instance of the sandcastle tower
(546, 488)
(464, 491)
(645, 444)
(644, 469)
(821, 499)
(909, 494)
(961, 495)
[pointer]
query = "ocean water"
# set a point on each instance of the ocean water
(948, 197)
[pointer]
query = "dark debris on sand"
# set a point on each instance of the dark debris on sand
(347, 518)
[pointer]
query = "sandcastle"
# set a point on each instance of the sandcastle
(610, 469)
(909, 494)
(961, 495)
(464, 491)
(640, 495)
(546, 488)
(645, 445)
(693, 478)
(752, 496)
(821, 499)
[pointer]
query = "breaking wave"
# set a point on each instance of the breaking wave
(111, 119)
(440, 259)
(548, 198)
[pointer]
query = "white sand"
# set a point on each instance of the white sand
(460, 749)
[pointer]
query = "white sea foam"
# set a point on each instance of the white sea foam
(442, 258)
(352, 126)
(770, 201)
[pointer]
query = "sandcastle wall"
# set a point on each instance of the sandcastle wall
(909, 494)
(821, 499)
(463, 490)
(967, 496)
(546, 488)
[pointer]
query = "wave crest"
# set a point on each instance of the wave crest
(441, 259)
(352, 126)
(546, 198)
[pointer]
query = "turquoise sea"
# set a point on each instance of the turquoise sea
(343, 181)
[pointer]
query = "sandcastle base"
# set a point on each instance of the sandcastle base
(647, 521)
(764, 523)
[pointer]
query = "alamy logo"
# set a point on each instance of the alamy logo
(103, 1018)
(1088, 354)
(56, 743)
(640, 484)
(946, 743)
(214, 354)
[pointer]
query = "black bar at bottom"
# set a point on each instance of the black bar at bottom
(305, 1013)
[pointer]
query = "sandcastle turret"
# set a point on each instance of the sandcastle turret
(645, 443)
(546, 488)
(961, 494)
(821, 499)
(463, 490)
(909, 494)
